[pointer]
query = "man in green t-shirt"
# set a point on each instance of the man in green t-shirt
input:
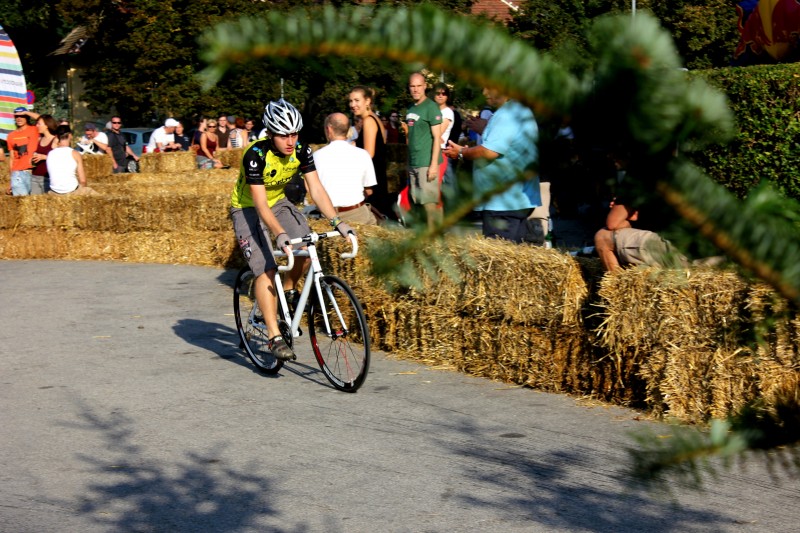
(424, 119)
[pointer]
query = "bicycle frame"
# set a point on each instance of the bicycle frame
(312, 279)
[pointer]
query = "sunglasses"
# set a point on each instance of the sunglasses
(441, 93)
(116, 122)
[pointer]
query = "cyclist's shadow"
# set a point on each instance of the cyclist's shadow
(224, 341)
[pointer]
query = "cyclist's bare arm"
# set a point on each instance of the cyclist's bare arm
(319, 195)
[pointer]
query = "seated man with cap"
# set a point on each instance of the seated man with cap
(163, 138)
(346, 172)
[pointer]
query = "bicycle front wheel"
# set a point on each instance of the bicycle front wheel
(341, 343)
(250, 324)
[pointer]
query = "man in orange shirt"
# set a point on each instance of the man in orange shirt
(21, 145)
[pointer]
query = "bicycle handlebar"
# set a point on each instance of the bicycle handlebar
(311, 238)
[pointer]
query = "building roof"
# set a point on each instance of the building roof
(72, 43)
(496, 9)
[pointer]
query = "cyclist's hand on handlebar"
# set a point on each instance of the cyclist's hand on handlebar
(282, 241)
(344, 229)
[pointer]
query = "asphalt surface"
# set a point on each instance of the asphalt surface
(127, 406)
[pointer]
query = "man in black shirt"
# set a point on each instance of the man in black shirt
(119, 146)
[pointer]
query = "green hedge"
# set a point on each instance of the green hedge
(766, 101)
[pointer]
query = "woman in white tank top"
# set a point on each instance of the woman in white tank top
(64, 165)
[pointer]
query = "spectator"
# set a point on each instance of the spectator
(22, 143)
(46, 126)
(238, 134)
(199, 128)
(93, 141)
(424, 125)
(441, 95)
(258, 202)
(620, 244)
(372, 139)
(181, 137)
(163, 139)
(508, 153)
(346, 172)
(476, 124)
(120, 151)
(385, 123)
(208, 146)
(65, 166)
(394, 131)
(224, 130)
(249, 127)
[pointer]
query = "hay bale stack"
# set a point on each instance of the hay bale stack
(209, 248)
(682, 341)
(154, 212)
(167, 162)
(97, 167)
(513, 314)
(5, 174)
(231, 158)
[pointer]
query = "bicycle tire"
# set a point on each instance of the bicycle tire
(344, 354)
(253, 332)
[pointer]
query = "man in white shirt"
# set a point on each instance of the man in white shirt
(346, 172)
(93, 141)
(163, 138)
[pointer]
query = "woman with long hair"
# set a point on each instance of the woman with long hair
(372, 139)
(208, 146)
(47, 126)
(441, 95)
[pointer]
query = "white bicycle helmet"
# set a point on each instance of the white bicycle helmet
(282, 118)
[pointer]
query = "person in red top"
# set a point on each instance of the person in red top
(22, 143)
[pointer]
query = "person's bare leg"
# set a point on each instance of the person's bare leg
(604, 244)
(268, 302)
(434, 214)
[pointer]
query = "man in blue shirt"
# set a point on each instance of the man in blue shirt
(504, 162)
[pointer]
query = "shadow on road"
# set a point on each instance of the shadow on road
(541, 487)
(134, 492)
(224, 341)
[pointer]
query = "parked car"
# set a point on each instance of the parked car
(137, 138)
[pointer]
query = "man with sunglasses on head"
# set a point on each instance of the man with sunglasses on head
(119, 146)
(259, 204)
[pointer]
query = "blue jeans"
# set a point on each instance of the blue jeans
(21, 182)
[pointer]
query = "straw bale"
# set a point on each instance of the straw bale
(149, 163)
(5, 174)
(230, 158)
(167, 162)
(683, 334)
(183, 161)
(209, 248)
(97, 167)
(167, 212)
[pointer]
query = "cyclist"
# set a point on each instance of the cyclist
(258, 202)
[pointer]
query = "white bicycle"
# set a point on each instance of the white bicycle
(337, 327)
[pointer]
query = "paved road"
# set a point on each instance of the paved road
(126, 406)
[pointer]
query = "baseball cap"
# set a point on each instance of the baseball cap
(171, 123)
(20, 110)
(90, 126)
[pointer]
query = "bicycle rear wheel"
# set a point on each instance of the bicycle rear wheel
(342, 349)
(250, 324)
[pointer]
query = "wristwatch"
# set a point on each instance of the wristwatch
(461, 154)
